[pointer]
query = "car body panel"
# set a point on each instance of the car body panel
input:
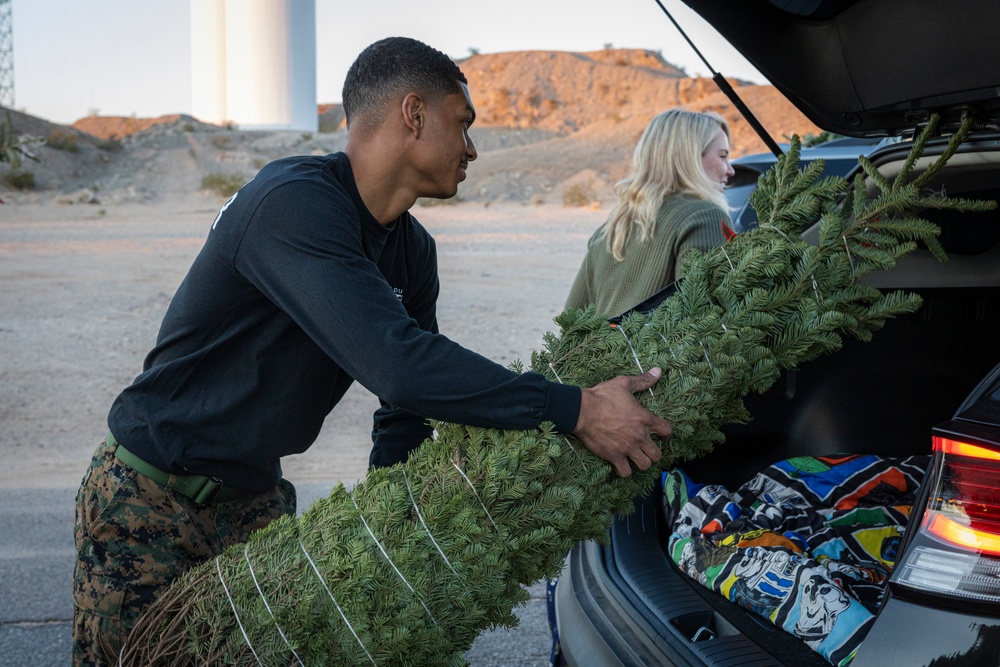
(913, 635)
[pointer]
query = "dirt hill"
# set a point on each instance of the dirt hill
(547, 121)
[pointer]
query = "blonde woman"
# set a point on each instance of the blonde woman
(671, 203)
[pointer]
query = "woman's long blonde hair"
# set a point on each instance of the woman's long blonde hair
(666, 160)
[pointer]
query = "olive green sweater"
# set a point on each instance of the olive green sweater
(683, 222)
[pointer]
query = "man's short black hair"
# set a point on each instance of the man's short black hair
(395, 65)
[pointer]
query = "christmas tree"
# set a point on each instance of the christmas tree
(409, 566)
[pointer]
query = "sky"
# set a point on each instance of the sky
(74, 58)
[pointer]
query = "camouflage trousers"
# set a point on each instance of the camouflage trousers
(134, 537)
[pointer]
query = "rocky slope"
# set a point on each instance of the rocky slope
(549, 123)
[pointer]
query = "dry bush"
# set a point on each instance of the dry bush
(63, 141)
(223, 184)
(112, 144)
(579, 194)
(20, 179)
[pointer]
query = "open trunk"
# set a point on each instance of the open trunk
(627, 603)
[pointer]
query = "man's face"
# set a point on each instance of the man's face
(446, 149)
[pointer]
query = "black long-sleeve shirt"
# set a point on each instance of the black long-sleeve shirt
(297, 292)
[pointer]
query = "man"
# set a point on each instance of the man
(313, 275)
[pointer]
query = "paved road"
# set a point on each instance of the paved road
(36, 568)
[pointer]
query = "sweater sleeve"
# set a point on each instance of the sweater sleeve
(305, 254)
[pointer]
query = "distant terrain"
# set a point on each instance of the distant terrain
(550, 125)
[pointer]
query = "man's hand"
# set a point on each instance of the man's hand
(614, 426)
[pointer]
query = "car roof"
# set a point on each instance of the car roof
(870, 67)
(845, 149)
(840, 148)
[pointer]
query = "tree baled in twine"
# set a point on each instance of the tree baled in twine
(417, 559)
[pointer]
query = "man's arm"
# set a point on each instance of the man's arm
(616, 427)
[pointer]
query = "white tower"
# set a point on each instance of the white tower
(6, 55)
(253, 63)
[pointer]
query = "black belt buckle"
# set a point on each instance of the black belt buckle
(208, 492)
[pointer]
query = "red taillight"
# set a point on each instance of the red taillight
(962, 519)
(949, 446)
(964, 507)
(951, 531)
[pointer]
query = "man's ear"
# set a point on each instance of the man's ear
(414, 110)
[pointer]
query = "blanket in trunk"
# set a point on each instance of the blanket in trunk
(808, 543)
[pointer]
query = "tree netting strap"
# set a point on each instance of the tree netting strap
(731, 267)
(634, 355)
(336, 604)
(670, 349)
(389, 560)
(704, 351)
(232, 604)
(475, 493)
(424, 524)
(246, 557)
(848, 249)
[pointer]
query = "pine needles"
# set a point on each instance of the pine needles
(418, 559)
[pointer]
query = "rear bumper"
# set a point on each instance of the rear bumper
(909, 634)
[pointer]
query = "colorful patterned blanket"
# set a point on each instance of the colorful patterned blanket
(808, 543)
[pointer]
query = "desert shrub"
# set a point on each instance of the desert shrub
(188, 127)
(579, 194)
(112, 144)
(20, 179)
(63, 141)
(307, 136)
(258, 163)
(221, 140)
(222, 184)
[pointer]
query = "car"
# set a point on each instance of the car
(839, 156)
(925, 388)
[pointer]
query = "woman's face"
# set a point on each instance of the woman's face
(715, 160)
